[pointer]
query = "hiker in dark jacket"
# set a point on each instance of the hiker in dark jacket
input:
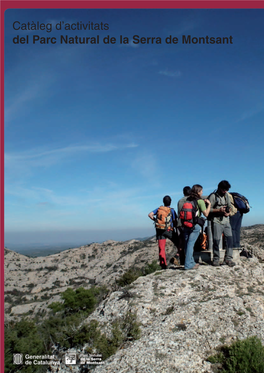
(164, 230)
(236, 217)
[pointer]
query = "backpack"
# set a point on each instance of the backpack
(201, 242)
(163, 218)
(217, 198)
(217, 202)
(246, 254)
(188, 214)
(241, 203)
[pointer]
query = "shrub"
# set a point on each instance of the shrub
(169, 310)
(91, 334)
(131, 326)
(123, 330)
(128, 277)
(75, 301)
(245, 356)
(22, 337)
(133, 273)
(86, 333)
(62, 328)
(152, 267)
(56, 306)
(51, 268)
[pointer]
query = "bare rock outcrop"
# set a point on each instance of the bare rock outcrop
(184, 315)
(34, 283)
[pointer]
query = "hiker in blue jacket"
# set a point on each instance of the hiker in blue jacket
(165, 219)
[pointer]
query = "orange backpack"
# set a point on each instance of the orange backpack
(204, 241)
(163, 218)
(201, 242)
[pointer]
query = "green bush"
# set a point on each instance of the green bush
(56, 306)
(123, 330)
(62, 328)
(246, 356)
(133, 273)
(80, 299)
(128, 277)
(23, 337)
(152, 267)
(131, 326)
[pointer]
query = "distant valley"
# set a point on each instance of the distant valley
(38, 249)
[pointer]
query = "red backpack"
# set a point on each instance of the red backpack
(188, 213)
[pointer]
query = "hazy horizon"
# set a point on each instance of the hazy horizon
(78, 237)
(42, 238)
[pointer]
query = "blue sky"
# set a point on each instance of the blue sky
(97, 134)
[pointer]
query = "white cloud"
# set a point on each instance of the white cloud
(250, 113)
(47, 157)
(129, 44)
(172, 74)
(35, 88)
(189, 23)
(147, 166)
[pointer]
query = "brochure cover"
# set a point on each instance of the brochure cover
(107, 107)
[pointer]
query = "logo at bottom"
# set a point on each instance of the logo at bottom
(70, 358)
(17, 359)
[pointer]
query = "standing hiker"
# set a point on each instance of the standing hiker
(181, 240)
(240, 207)
(186, 193)
(190, 217)
(235, 219)
(165, 219)
(220, 223)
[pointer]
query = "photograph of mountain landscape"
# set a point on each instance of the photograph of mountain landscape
(106, 112)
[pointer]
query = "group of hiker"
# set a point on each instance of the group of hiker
(224, 212)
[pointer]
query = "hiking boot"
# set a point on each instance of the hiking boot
(229, 263)
(174, 261)
(216, 263)
(196, 266)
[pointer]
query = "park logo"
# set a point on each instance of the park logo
(18, 359)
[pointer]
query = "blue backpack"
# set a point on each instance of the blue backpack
(241, 203)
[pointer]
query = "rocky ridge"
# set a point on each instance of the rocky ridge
(184, 315)
(31, 284)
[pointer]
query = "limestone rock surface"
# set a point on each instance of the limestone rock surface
(184, 315)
